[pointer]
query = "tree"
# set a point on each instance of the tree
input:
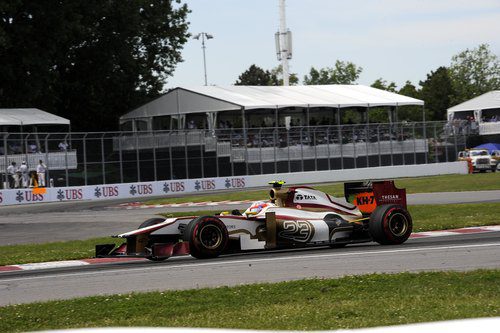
(342, 73)
(410, 112)
(474, 72)
(256, 76)
(437, 92)
(278, 72)
(89, 61)
(382, 84)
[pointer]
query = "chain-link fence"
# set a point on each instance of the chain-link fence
(116, 157)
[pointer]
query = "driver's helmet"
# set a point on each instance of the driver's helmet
(257, 207)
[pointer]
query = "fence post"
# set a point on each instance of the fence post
(288, 149)
(367, 134)
(202, 136)
(137, 156)
(315, 149)
(186, 153)
(120, 157)
(328, 146)
(47, 172)
(154, 157)
(170, 155)
(354, 148)
(6, 152)
(275, 142)
(66, 161)
(103, 162)
(85, 159)
(378, 143)
(435, 144)
(341, 143)
(301, 151)
(414, 144)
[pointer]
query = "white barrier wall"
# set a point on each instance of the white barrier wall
(175, 187)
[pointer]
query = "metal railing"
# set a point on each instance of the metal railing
(119, 157)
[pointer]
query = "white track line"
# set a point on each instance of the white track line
(262, 260)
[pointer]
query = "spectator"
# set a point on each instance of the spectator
(32, 148)
(12, 177)
(63, 145)
(191, 124)
(41, 168)
(23, 170)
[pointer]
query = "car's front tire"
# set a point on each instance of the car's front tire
(390, 224)
(207, 237)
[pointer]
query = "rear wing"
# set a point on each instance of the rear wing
(368, 195)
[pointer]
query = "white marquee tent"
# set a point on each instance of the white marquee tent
(490, 100)
(209, 99)
(25, 117)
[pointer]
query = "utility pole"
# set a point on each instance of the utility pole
(283, 39)
(204, 35)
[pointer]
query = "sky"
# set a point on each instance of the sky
(390, 39)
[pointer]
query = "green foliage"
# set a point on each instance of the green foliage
(437, 92)
(344, 72)
(89, 61)
(474, 72)
(278, 72)
(410, 112)
(384, 85)
(256, 76)
(313, 304)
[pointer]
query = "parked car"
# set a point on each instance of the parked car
(480, 159)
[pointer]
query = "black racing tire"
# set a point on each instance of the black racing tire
(150, 222)
(207, 237)
(390, 224)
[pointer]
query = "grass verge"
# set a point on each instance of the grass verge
(444, 183)
(316, 304)
(425, 218)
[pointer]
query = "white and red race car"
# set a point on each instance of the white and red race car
(292, 217)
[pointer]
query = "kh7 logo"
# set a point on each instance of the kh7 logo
(365, 201)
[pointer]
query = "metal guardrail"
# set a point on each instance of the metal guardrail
(56, 160)
(124, 157)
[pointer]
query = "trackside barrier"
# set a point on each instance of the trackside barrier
(205, 185)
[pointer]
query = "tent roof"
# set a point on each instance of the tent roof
(490, 100)
(224, 98)
(490, 146)
(20, 117)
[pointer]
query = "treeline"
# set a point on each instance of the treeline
(470, 73)
(89, 61)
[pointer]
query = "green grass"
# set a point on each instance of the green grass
(315, 304)
(441, 217)
(53, 251)
(425, 218)
(445, 183)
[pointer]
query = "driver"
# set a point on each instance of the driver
(257, 207)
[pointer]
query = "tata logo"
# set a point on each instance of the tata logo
(300, 197)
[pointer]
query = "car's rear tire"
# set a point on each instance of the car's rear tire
(150, 222)
(390, 224)
(207, 237)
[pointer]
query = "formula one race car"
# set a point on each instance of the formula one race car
(292, 217)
